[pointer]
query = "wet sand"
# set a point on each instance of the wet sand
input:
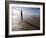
(30, 23)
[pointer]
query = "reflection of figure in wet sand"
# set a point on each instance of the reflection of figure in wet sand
(21, 15)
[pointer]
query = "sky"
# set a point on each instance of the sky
(26, 10)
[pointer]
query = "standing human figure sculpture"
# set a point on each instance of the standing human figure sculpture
(21, 15)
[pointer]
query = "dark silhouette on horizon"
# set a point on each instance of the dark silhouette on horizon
(21, 15)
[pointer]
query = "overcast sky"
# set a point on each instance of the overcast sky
(26, 10)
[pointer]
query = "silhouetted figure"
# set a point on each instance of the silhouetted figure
(21, 15)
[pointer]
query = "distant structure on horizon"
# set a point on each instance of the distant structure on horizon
(21, 15)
